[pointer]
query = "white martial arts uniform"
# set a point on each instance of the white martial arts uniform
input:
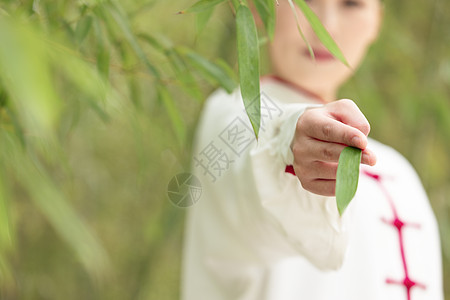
(256, 234)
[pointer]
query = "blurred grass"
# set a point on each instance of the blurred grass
(111, 148)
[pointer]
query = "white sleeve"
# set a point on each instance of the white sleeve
(311, 223)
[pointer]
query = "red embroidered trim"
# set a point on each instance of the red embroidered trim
(290, 169)
(407, 282)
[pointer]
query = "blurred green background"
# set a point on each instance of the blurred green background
(98, 105)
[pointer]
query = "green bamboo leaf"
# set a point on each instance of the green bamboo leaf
(202, 18)
(134, 90)
(6, 240)
(82, 29)
(320, 31)
(174, 114)
(294, 11)
(81, 75)
(145, 7)
(236, 4)
(248, 60)
(25, 64)
(201, 5)
(347, 177)
(152, 41)
(210, 70)
(177, 61)
(7, 279)
(184, 75)
(103, 53)
(18, 130)
(103, 59)
(67, 30)
(266, 10)
(227, 69)
(54, 205)
(123, 24)
(3, 96)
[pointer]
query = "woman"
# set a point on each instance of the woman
(267, 226)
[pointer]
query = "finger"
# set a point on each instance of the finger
(323, 170)
(347, 112)
(317, 126)
(330, 152)
(368, 157)
(322, 187)
(325, 151)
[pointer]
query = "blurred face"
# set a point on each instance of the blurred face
(353, 24)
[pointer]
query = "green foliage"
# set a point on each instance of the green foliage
(248, 57)
(216, 73)
(266, 10)
(27, 61)
(202, 6)
(320, 31)
(347, 177)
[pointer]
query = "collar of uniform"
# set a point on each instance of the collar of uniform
(286, 92)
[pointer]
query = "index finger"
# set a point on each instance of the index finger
(347, 112)
(320, 127)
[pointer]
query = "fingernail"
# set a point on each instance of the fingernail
(356, 141)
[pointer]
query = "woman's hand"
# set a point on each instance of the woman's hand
(320, 136)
